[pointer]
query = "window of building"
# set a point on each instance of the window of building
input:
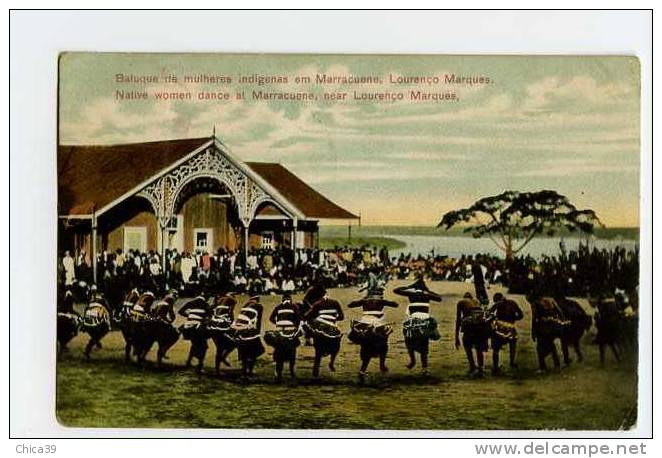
(301, 239)
(203, 240)
(175, 233)
(174, 223)
(135, 238)
(268, 240)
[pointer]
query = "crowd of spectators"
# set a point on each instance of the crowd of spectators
(582, 272)
(266, 271)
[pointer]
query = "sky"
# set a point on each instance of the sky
(565, 123)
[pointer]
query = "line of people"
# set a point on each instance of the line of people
(145, 321)
(581, 272)
(268, 271)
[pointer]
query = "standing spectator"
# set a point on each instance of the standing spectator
(69, 269)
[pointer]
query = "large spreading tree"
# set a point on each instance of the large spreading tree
(512, 219)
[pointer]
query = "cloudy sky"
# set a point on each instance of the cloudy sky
(565, 123)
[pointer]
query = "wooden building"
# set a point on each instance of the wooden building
(189, 194)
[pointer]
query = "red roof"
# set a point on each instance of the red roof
(92, 176)
(310, 202)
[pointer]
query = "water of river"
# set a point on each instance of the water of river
(457, 246)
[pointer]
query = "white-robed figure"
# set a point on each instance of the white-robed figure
(187, 267)
(419, 326)
(246, 327)
(69, 267)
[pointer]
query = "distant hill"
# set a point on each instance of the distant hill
(627, 233)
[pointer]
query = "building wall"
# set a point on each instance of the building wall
(310, 232)
(74, 236)
(201, 211)
(276, 227)
(269, 209)
(135, 212)
(307, 233)
(114, 239)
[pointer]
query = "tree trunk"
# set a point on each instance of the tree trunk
(509, 249)
(509, 254)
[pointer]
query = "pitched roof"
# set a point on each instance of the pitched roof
(310, 202)
(92, 176)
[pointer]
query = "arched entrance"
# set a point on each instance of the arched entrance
(205, 218)
(205, 203)
(187, 194)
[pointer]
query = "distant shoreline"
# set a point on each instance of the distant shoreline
(330, 242)
(370, 232)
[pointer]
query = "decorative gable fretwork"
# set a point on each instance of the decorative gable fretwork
(163, 192)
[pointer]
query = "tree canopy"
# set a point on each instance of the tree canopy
(514, 217)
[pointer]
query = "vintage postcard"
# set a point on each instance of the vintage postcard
(350, 242)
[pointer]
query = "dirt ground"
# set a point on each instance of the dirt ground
(106, 392)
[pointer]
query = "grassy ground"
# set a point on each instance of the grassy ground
(107, 393)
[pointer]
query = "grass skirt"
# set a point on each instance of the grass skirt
(417, 328)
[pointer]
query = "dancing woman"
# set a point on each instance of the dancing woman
(370, 331)
(96, 321)
(68, 321)
(419, 326)
(219, 329)
(196, 312)
(246, 334)
(285, 338)
(321, 321)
